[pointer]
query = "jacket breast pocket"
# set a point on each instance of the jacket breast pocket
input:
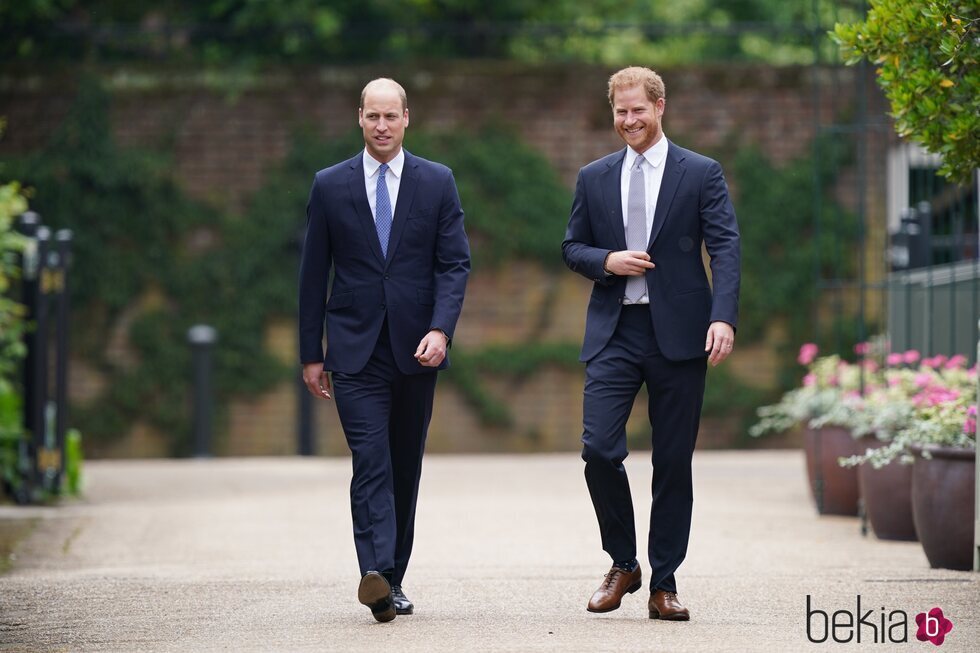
(340, 300)
(420, 213)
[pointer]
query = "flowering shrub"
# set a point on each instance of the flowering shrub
(911, 402)
(828, 379)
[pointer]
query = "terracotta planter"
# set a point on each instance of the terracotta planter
(887, 494)
(834, 488)
(942, 505)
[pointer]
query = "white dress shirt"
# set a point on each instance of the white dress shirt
(393, 178)
(653, 174)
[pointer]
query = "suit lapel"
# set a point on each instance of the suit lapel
(610, 181)
(406, 193)
(359, 196)
(673, 173)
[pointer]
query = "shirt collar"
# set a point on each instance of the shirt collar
(395, 166)
(655, 155)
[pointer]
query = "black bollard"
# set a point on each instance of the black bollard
(304, 400)
(202, 338)
(304, 422)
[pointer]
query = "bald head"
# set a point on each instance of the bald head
(384, 85)
(383, 117)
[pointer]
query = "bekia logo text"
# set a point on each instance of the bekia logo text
(873, 626)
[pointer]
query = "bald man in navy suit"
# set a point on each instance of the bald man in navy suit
(389, 225)
(637, 224)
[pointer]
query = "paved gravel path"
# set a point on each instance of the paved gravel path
(256, 555)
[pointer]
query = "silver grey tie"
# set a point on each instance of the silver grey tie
(636, 227)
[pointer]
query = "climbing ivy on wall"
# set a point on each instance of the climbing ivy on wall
(150, 262)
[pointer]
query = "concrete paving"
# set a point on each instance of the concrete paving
(256, 555)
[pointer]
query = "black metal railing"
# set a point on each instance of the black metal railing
(43, 291)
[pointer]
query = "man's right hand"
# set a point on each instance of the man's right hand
(628, 263)
(317, 380)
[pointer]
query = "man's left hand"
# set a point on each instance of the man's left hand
(720, 342)
(432, 349)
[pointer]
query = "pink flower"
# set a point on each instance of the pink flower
(810, 379)
(922, 380)
(894, 359)
(959, 360)
(970, 426)
(894, 382)
(971, 411)
(862, 348)
(935, 362)
(808, 352)
(869, 365)
(911, 356)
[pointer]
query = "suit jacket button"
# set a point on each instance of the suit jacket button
(387, 276)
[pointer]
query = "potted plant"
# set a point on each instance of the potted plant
(813, 406)
(931, 413)
(944, 481)
(884, 477)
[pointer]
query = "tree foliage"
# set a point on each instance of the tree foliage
(610, 32)
(928, 58)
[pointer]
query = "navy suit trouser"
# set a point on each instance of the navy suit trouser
(385, 415)
(676, 390)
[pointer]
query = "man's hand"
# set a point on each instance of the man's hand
(721, 340)
(628, 263)
(432, 349)
(317, 381)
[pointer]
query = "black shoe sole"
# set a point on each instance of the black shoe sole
(676, 617)
(404, 610)
(629, 590)
(375, 592)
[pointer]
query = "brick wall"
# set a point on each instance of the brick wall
(225, 134)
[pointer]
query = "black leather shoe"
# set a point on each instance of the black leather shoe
(375, 592)
(402, 604)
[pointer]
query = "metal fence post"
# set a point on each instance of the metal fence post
(976, 497)
(202, 338)
(28, 225)
(46, 462)
(63, 238)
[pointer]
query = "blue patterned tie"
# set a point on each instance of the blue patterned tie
(382, 210)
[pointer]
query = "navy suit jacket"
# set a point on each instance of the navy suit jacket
(419, 286)
(693, 207)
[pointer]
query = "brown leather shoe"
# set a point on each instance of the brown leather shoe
(617, 583)
(664, 605)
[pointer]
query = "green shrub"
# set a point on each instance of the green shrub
(12, 350)
(928, 58)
